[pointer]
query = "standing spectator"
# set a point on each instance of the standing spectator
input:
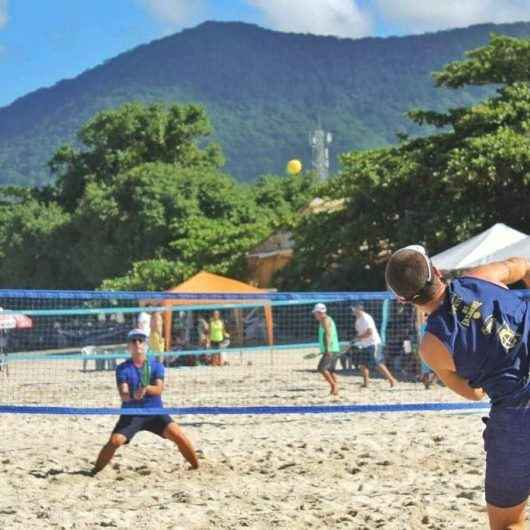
(203, 332)
(218, 335)
(143, 322)
(370, 346)
(428, 377)
(329, 346)
(401, 329)
(156, 337)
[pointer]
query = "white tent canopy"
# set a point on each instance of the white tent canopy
(519, 249)
(472, 251)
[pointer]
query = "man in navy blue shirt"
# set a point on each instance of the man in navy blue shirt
(140, 382)
(477, 340)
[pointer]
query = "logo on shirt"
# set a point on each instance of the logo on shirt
(506, 335)
(466, 313)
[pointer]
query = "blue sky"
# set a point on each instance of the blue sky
(44, 41)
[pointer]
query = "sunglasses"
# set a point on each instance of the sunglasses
(420, 250)
(141, 340)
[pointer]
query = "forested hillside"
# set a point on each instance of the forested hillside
(263, 90)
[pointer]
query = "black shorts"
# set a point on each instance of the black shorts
(130, 425)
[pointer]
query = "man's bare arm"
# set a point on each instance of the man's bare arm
(506, 272)
(123, 389)
(435, 354)
(156, 389)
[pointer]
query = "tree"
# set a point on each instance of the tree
(31, 253)
(179, 223)
(435, 190)
(286, 195)
(133, 134)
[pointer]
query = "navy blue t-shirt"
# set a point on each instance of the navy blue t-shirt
(486, 327)
(127, 372)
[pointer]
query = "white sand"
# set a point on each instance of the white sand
(357, 471)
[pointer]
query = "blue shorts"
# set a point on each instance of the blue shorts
(507, 445)
(370, 356)
(128, 426)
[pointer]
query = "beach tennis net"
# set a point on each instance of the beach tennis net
(59, 349)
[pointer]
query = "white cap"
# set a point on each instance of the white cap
(137, 333)
(319, 308)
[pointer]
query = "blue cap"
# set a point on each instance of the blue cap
(136, 333)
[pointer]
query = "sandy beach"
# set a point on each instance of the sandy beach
(357, 471)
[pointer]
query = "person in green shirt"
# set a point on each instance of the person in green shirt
(329, 346)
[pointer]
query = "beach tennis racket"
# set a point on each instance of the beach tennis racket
(146, 374)
(314, 355)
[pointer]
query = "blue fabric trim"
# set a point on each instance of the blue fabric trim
(309, 409)
(151, 295)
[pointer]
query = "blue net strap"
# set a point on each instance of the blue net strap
(152, 295)
(282, 409)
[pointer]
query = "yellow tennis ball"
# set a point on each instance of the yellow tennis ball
(294, 167)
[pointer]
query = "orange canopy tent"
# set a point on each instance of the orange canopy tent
(207, 283)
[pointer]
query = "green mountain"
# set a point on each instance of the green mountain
(264, 91)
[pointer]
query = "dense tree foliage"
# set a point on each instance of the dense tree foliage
(142, 204)
(263, 90)
(436, 190)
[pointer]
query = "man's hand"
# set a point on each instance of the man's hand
(140, 393)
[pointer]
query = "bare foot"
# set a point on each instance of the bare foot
(393, 383)
(334, 392)
(364, 385)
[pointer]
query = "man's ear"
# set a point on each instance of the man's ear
(437, 272)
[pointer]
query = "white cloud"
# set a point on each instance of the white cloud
(3, 13)
(174, 13)
(415, 16)
(342, 18)
(345, 18)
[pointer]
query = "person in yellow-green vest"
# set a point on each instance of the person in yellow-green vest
(329, 346)
(218, 335)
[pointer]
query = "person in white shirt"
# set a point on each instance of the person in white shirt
(143, 322)
(370, 347)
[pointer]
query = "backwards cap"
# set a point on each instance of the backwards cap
(409, 272)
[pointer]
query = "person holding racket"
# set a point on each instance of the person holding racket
(140, 382)
(329, 346)
(369, 347)
(477, 341)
